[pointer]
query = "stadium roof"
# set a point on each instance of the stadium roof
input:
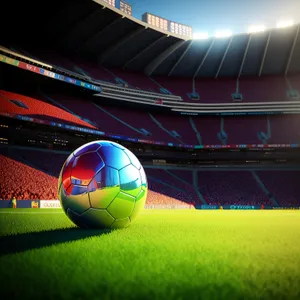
(92, 30)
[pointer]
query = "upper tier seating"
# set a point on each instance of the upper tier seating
(34, 108)
(129, 122)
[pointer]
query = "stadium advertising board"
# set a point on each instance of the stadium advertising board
(41, 71)
(50, 204)
(34, 204)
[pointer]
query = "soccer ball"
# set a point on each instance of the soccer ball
(102, 185)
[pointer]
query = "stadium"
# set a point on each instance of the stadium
(215, 123)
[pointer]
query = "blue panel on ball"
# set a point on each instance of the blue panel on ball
(130, 180)
(90, 147)
(113, 156)
(118, 146)
(133, 159)
(78, 190)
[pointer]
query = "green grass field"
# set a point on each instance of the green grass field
(171, 254)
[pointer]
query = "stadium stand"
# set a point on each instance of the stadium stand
(32, 174)
(283, 185)
(264, 89)
(32, 107)
(206, 130)
(231, 188)
(241, 129)
(285, 129)
(137, 80)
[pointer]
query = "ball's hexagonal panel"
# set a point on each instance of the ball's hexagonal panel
(97, 218)
(104, 187)
(130, 180)
(77, 203)
(89, 147)
(118, 145)
(143, 178)
(113, 157)
(66, 171)
(140, 201)
(133, 159)
(85, 167)
(120, 223)
(122, 206)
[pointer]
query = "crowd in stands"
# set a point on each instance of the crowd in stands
(32, 174)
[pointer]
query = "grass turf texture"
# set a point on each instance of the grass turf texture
(171, 254)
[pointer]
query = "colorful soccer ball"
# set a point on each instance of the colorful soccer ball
(102, 185)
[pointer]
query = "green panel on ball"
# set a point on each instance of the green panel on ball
(77, 203)
(97, 218)
(104, 187)
(122, 206)
(120, 223)
(139, 204)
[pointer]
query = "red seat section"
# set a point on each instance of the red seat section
(36, 108)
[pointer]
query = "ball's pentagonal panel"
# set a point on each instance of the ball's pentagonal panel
(122, 206)
(87, 148)
(97, 218)
(104, 187)
(85, 167)
(140, 201)
(75, 218)
(113, 156)
(76, 202)
(120, 223)
(133, 159)
(66, 171)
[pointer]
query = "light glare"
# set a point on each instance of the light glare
(283, 24)
(200, 35)
(223, 34)
(256, 28)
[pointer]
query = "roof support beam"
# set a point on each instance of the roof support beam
(223, 58)
(160, 58)
(98, 34)
(245, 55)
(116, 46)
(264, 55)
(181, 57)
(143, 51)
(292, 51)
(204, 58)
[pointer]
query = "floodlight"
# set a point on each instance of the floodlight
(256, 28)
(283, 24)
